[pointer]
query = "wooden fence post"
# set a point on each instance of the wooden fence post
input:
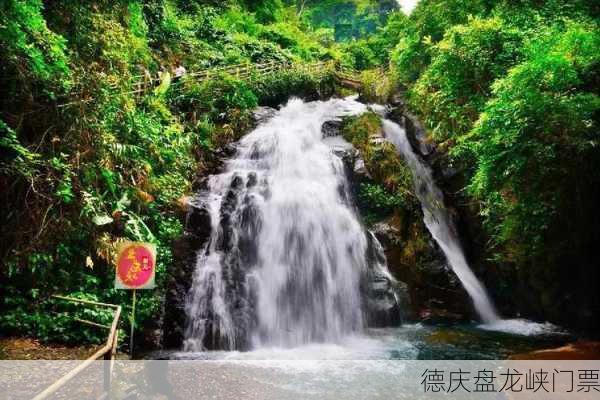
(107, 372)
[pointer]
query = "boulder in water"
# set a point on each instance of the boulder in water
(331, 128)
(385, 297)
(178, 278)
(198, 223)
(435, 315)
(388, 234)
(263, 114)
(360, 170)
(226, 151)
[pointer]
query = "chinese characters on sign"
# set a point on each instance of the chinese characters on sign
(512, 380)
(135, 266)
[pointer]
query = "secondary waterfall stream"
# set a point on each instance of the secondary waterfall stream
(287, 256)
(439, 223)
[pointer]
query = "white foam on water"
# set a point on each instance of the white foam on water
(522, 327)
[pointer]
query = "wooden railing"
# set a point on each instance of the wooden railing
(107, 352)
(245, 71)
(347, 74)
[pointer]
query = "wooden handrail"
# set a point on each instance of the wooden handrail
(243, 70)
(107, 351)
(83, 301)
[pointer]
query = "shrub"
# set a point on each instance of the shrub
(274, 89)
(29, 49)
(454, 88)
(377, 86)
(535, 134)
(358, 55)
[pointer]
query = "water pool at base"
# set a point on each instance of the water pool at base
(409, 342)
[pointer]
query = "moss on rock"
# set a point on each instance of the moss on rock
(387, 203)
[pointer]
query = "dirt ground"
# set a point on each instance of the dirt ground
(581, 350)
(30, 349)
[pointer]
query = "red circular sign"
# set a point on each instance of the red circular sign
(135, 265)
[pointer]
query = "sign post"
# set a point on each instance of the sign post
(132, 323)
(136, 264)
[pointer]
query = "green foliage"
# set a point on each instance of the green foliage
(454, 88)
(295, 39)
(274, 89)
(509, 91)
(429, 22)
(350, 19)
(29, 49)
(358, 55)
(376, 199)
(265, 11)
(113, 162)
(377, 86)
(535, 133)
(358, 130)
(222, 98)
(383, 41)
(15, 159)
(391, 184)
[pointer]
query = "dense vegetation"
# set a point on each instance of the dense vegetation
(509, 91)
(96, 151)
(101, 143)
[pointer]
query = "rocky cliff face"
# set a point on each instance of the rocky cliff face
(432, 291)
(180, 276)
(197, 232)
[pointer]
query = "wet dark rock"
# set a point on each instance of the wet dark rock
(263, 114)
(198, 222)
(356, 169)
(251, 179)
(382, 306)
(360, 170)
(331, 128)
(385, 298)
(415, 260)
(347, 154)
(179, 279)
(226, 238)
(226, 151)
(417, 135)
(449, 172)
(397, 101)
(151, 337)
(200, 183)
(387, 234)
(387, 301)
(436, 314)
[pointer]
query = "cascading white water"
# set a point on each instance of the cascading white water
(438, 221)
(286, 255)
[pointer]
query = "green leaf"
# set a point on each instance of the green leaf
(102, 220)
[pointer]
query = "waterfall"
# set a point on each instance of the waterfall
(287, 254)
(439, 222)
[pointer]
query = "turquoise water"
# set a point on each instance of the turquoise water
(408, 342)
(467, 342)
